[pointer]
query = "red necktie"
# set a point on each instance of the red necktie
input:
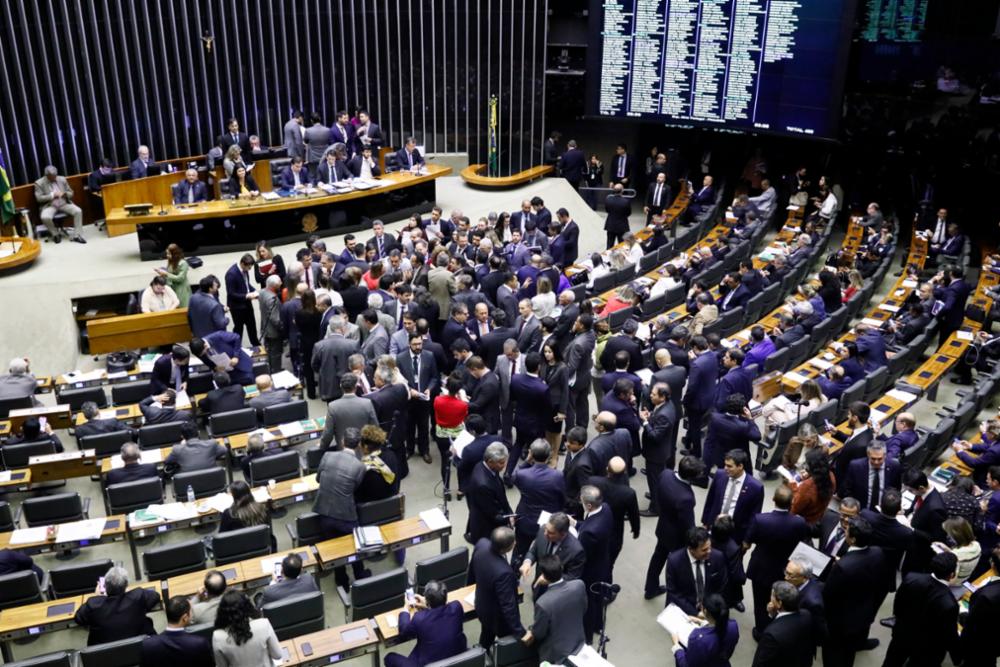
(917, 503)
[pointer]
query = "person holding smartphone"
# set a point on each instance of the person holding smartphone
(435, 623)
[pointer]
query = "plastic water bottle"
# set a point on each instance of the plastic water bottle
(190, 493)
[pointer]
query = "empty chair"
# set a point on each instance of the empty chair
(277, 467)
(378, 594)
(897, 364)
(769, 454)
(655, 306)
(450, 568)
(619, 317)
(851, 394)
(625, 275)
(839, 319)
(604, 283)
(283, 413)
(296, 615)
(19, 588)
(234, 421)
(122, 653)
(474, 657)
(124, 393)
(648, 262)
(313, 457)
(8, 404)
(204, 483)
(240, 544)
(378, 512)
(664, 252)
(200, 383)
(675, 296)
(731, 321)
(106, 444)
(174, 559)
(261, 368)
(798, 352)
(17, 456)
(307, 529)
(875, 383)
(203, 630)
(57, 659)
(820, 335)
(59, 508)
(772, 295)
(155, 436)
(753, 308)
(6, 517)
(826, 412)
(510, 651)
(76, 579)
(77, 397)
(128, 497)
(776, 361)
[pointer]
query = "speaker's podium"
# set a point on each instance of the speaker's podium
(497, 161)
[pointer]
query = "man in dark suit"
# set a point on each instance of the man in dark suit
(695, 571)
(14, 561)
(118, 613)
(491, 344)
(543, 489)
(532, 408)
(170, 371)
(232, 136)
(496, 587)
(787, 641)
(558, 626)
(580, 465)
(161, 409)
(659, 438)
(892, 536)
(774, 535)
(573, 164)
(226, 396)
(239, 297)
(854, 586)
(391, 402)
(175, 646)
(952, 291)
(926, 514)
(472, 454)
(737, 380)
(621, 402)
(364, 165)
(190, 190)
(238, 364)
(799, 573)
(658, 197)
(579, 361)
(626, 341)
(596, 537)
(926, 612)
(618, 208)
(671, 374)
(622, 167)
(519, 219)
(294, 177)
(555, 538)
(736, 293)
(570, 233)
(367, 133)
(700, 394)
(676, 502)
(978, 643)
(420, 369)
(702, 200)
(734, 491)
(342, 132)
(455, 329)
(132, 469)
(408, 157)
(620, 498)
(94, 424)
(205, 313)
(732, 428)
(833, 527)
(484, 398)
(382, 242)
(435, 623)
(869, 477)
(486, 495)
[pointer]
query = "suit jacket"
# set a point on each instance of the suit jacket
(491, 345)
(429, 378)
(329, 361)
(871, 347)
(704, 648)
(681, 589)
(727, 432)
(533, 408)
(528, 334)
(224, 399)
(98, 427)
(739, 298)
(570, 236)
(196, 192)
(175, 647)
(340, 474)
(558, 625)
(748, 504)
(346, 412)
(676, 499)
(286, 179)
(978, 641)
(151, 414)
(343, 134)
(194, 455)
(579, 360)
(855, 483)
(484, 400)
(354, 166)
(391, 404)
(659, 434)
(543, 489)
(570, 552)
(487, 499)
(596, 534)
(926, 523)
(114, 617)
(376, 344)
(786, 642)
(892, 537)
(138, 169)
(737, 380)
(618, 343)
(472, 455)
(237, 288)
(286, 588)
(618, 208)
(271, 327)
(854, 588)
(616, 167)
(438, 632)
(775, 535)
(700, 394)
(162, 378)
(496, 590)
(370, 135)
(317, 139)
(406, 161)
(325, 174)
(268, 398)
(926, 619)
(577, 469)
(131, 473)
(954, 297)
(294, 144)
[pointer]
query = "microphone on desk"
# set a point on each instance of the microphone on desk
(163, 211)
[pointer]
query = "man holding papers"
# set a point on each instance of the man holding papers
(558, 627)
(223, 351)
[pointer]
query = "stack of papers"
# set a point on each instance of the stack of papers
(146, 456)
(543, 518)
(284, 380)
(5, 475)
(261, 494)
(291, 429)
(460, 443)
(220, 502)
(303, 487)
(80, 376)
(676, 622)
(368, 538)
(173, 511)
(434, 519)
(588, 657)
(820, 363)
(902, 396)
(28, 535)
(964, 335)
(872, 322)
(89, 529)
(891, 309)
(813, 556)
(795, 376)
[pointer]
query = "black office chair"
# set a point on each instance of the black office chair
(604, 283)
(617, 319)
(57, 659)
(306, 530)
(76, 579)
(126, 393)
(776, 361)
(296, 615)
(379, 512)
(204, 482)
(261, 368)
(200, 383)
(174, 559)
(278, 467)
(122, 653)
(232, 422)
(155, 436)
(203, 630)
(9, 404)
(6, 518)
(648, 262)
(391, 163)
(19, 588)
(314, 456)
(48, 510)
(77, 397)
(283, 413)
(378, 594)
(17, 456)
(510, 651)
(128, 497)
(474, 657)
(450, 568)
(106, 444)
(237, 545)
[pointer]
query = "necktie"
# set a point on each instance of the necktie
(177, 378)
(832, 544)
(416, 370)
(246, 279)
(875, 490)
(409, 156)
(621, 167)
(399, 316)
(656, 195)
(190, 194)
(235, 139)
(333, 173)
(552, 548)
(380, 242)
(917, 503)
(699, 580)
(730, 493)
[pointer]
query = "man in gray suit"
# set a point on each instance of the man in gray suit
(329, 358)
(193, 454)
(339, 475)
(317, 138)
(376, 341)
(399, 341)
(528, 327)
(268, 395)
(376, 303)
(350, 410)
(292, 581)
(271, 333)
(579, 360)
(53, 194)
(441, 285)
(19, 383)
(508, 363)
(558, 627)
(294, 144)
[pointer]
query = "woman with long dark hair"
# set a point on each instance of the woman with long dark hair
(556, 376)
(307, 321)
(450, 412)
(245, 512)
(241, 638)
(813, 493)
(712, 645)
(176, 274)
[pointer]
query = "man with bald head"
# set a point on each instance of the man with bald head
(518, 219)
(620, 498)
(18, 383)
(133, 469)
(610, 441)
(904, 436)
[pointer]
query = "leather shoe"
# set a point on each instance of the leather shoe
(888, 622)
(57, 238)
(740, 607)
(648, 497)
(755, 633)
(648, 513)
(427, 458)
(649, 595)
(869, 644)
(79, 239)
(642, 470)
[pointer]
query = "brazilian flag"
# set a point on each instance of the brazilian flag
(6, 198)
(493, 161)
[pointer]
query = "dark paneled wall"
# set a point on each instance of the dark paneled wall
(86, 79)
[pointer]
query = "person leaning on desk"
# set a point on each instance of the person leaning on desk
(435, 623)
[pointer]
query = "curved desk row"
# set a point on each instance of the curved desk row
(475, 175)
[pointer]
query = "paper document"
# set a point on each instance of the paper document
(813, 556)
(820, 363)
(220, 360)
(28, 535)
(5, 476)
(964, 335)
(891, 309)
(301, 487)
(543, 518)
(146, 366)
(434, 519)
(878, 417)
(89, 529)
(173, 511)
(912, 284)
(117, 376)
(261, 494)
(182, 400)
(291, 429)
(795, 376)
(220, 502)
(902, 396)
(676, 622)
(645, 375)
(588, 657)
(145, 456)
(871, 322)
(470, 599)
(392, 620)
(284, 380)
(460, 443)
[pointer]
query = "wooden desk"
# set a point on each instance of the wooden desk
(127, 414)
(20, 480)
(312, 429)
(396, 535)
(128, 332)
(157, 456)
(248, 573)
(67, 465)
(27, 251)
(192, 582)
(390, 631)
(114, 531)
(57, 415)
(36, 619)
(337, 644)
(119, 222)
(474, 175)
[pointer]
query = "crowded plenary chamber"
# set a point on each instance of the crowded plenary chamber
(576, 333)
